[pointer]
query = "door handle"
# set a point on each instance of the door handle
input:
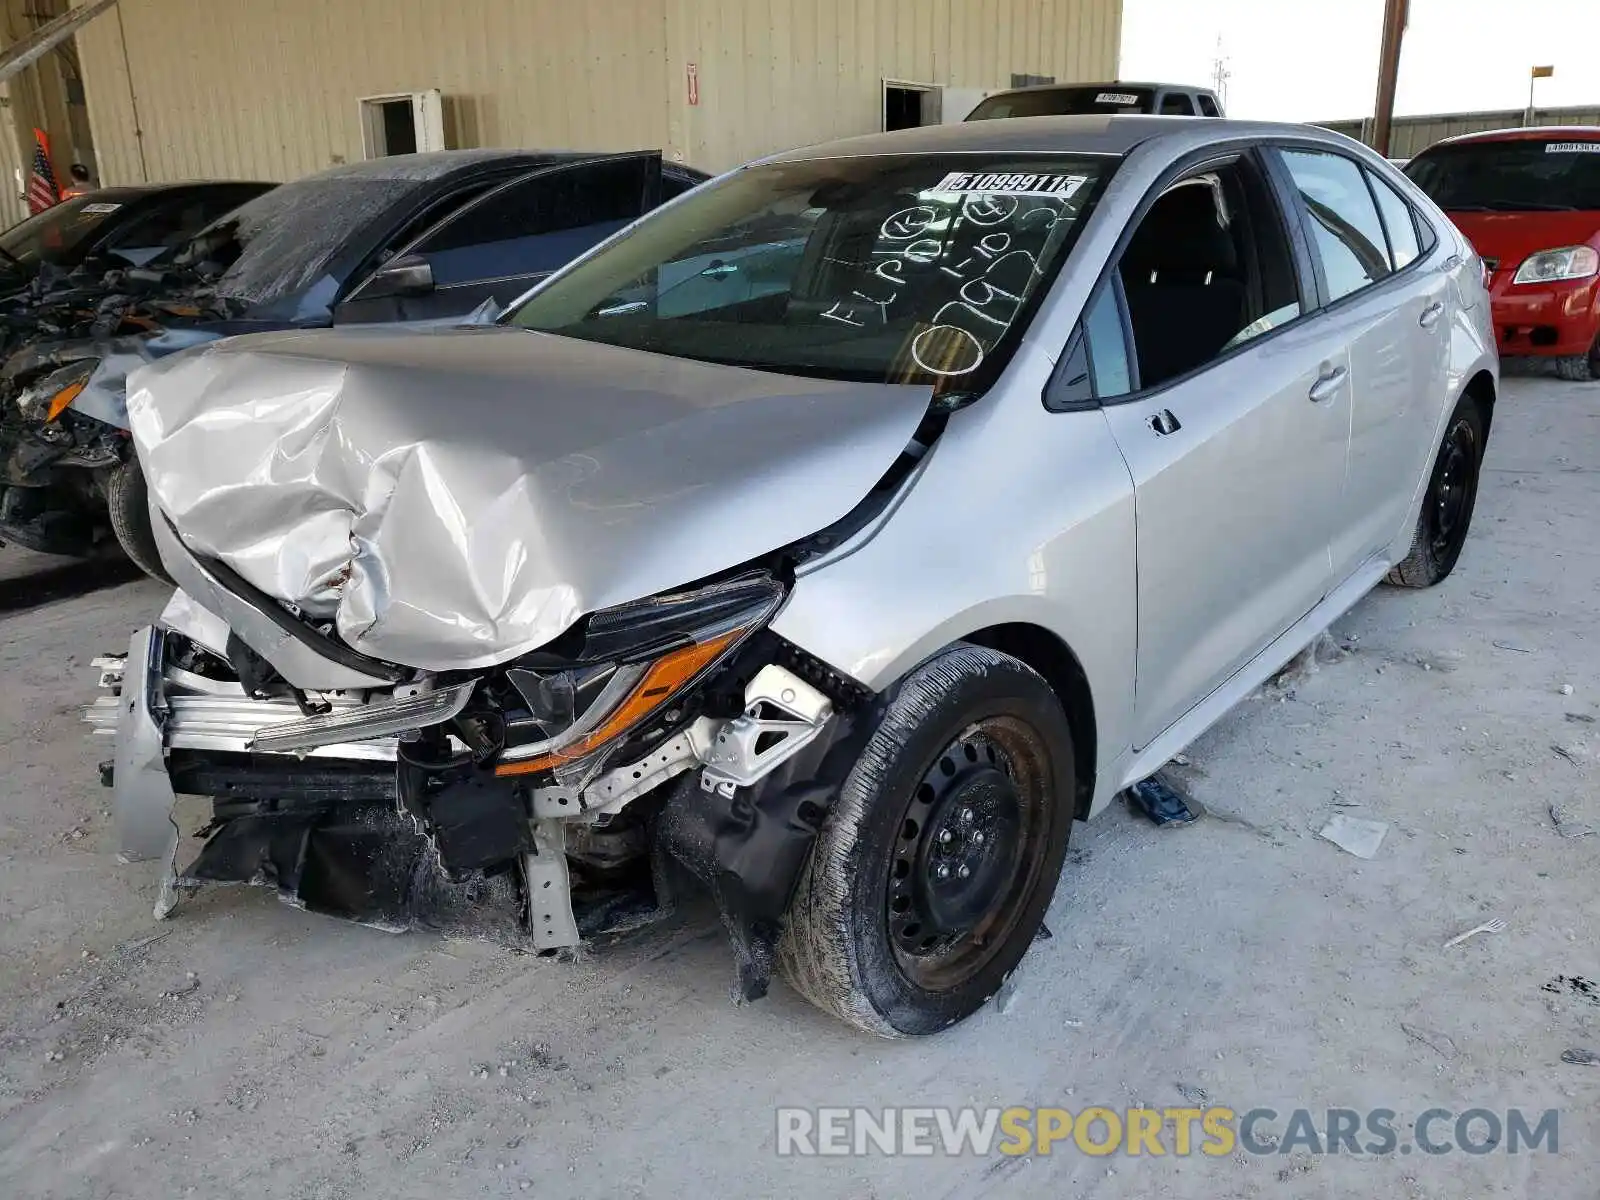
(1328, 384)
(1430, 315)
(1164, 422)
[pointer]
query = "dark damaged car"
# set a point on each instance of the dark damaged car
(835, 536)
(415, 239)
(73, 244)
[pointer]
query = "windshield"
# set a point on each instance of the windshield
(283, 241)
(884, 269)
(1510, 176)
(1057, 102)
(59, 233)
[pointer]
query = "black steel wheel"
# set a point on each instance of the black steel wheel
(1448, 503)
(933, 873)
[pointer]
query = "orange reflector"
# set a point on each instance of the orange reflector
(664, 678)
(63, 399)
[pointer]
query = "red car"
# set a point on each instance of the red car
(1529, 201)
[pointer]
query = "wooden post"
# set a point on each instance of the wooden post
(1395, 15)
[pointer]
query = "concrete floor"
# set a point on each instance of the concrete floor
(1243, 957)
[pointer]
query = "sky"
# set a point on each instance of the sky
(1310, 60)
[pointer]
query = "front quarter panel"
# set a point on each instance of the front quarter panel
(1020, 516)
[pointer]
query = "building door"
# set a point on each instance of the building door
(911, 105)
(404, 123)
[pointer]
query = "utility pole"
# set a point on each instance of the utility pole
(1220, 74)
(1395, 16)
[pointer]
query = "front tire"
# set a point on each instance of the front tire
(1580, 368)
(129, 506)
(933, 873)
(1448, 503)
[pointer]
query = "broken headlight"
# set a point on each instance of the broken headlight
(632, 663)
(47, 397)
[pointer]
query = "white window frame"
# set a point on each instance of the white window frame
(427, 118)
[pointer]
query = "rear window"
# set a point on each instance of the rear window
(1065, 101)
(1555, 175)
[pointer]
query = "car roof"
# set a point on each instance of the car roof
(435, 165)
(128, 193)
(1076, 134)
(1571, 133)
(1109, 83)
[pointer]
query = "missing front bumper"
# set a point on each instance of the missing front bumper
(370, 831)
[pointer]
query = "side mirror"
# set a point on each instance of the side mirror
(408, 275)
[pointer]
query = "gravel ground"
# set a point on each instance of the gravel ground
(247, 1049)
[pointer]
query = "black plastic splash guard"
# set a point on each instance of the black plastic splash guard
(750, 848)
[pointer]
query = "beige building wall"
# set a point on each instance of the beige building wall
(270, 88)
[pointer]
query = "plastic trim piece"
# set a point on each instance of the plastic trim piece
(380, 719)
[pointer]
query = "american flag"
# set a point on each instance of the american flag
(42, 191)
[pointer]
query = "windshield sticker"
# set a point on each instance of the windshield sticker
(1116, 98)
(100, 208)
(968, 184)
(1572, 148)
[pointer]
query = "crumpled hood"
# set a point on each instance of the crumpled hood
(454, 499)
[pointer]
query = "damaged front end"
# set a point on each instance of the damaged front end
(63, 412)
(578, 780)
(487, 597)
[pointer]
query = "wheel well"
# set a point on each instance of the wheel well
(1481, 389)
(1054, 659)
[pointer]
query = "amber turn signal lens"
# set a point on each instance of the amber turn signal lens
(666, 676)
(63, 399)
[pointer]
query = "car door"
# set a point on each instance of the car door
(1234, 424)
(503, 242)
(1392, 313)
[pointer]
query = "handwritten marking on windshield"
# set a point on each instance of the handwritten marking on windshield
(956, 352)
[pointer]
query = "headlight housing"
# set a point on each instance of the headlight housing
(1551, 266)
(632, 662)
(47, 397)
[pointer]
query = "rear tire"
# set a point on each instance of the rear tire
(932, 875)
(1447, 505)
(128, 503)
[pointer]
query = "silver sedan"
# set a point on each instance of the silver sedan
(834, 536)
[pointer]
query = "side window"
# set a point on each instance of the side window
(1208, 268)
(1344, 219)
(1427, 236)
(1398, 221)
(1108, 348)
(1177, 104)
(537, 224)
(1208, 107)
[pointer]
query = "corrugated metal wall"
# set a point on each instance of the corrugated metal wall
(269, 88)
(1410, 136)
(780, 73)
(12, 205)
